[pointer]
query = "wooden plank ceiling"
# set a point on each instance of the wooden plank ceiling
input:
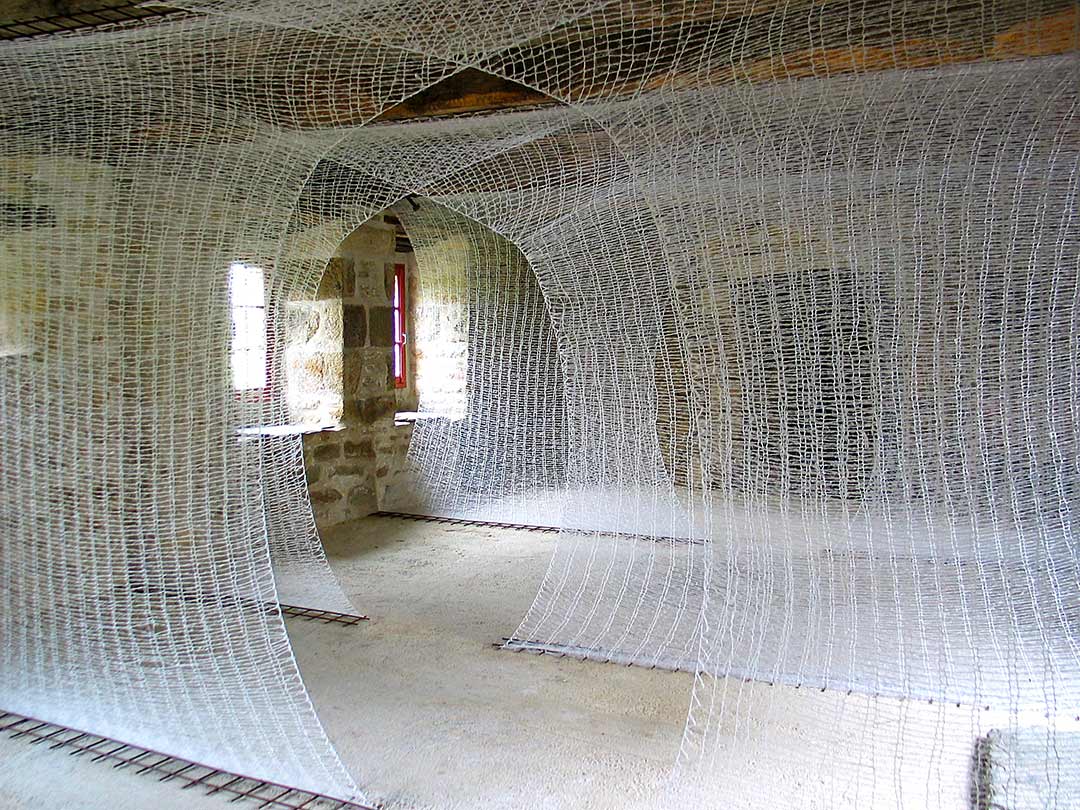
(1050, 28)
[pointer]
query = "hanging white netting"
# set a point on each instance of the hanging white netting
(776, 317)
(492, 440)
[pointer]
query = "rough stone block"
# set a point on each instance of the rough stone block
(366, 373)
(369, 283)
(360, 449)
(352, 372)
(376, 408)
(375, 374)
(348, 278)
(313, 326)
(326, 452)
(350, 469)
(388, 280)
(322, 497)
(314, 372)
(362, 500)
(330, 283)
(354, 326)
(302, 324)
(338, 281)
(351, 410)
(382, 326)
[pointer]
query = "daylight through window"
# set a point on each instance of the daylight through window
(247, 298)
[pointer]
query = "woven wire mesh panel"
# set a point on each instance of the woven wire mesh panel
(777, 319)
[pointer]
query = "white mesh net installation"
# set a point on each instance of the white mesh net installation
(776, 315)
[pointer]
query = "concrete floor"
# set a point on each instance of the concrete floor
(473, 726)
(423, 709)
(428, 714)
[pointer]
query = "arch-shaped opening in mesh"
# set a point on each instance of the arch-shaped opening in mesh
(812, 278)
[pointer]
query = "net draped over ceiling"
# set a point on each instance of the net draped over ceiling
(776, 316)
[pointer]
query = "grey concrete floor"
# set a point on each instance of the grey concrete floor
(423, 709)
(426, 713)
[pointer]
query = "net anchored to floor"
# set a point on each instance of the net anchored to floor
(792, 286)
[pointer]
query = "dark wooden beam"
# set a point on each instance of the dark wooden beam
(470, 91)
(601, 56)
(39, 18)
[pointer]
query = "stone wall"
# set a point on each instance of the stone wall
(341, 376)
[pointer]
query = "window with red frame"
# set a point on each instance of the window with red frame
(400, 373)
(249, 355)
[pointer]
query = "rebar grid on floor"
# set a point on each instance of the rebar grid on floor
(529, 527)
(584, 654)
(324, 616)
(167, 768)
(296, 611)
(451, 521)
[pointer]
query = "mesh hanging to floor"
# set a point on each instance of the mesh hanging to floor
(776, 317)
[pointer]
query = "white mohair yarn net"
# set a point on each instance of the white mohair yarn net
(776, 316)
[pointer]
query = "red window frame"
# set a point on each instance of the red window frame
(400, 299)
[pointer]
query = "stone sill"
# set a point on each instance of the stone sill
(412, 417)
(253, 431)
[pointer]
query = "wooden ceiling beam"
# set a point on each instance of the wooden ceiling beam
(470, 91)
